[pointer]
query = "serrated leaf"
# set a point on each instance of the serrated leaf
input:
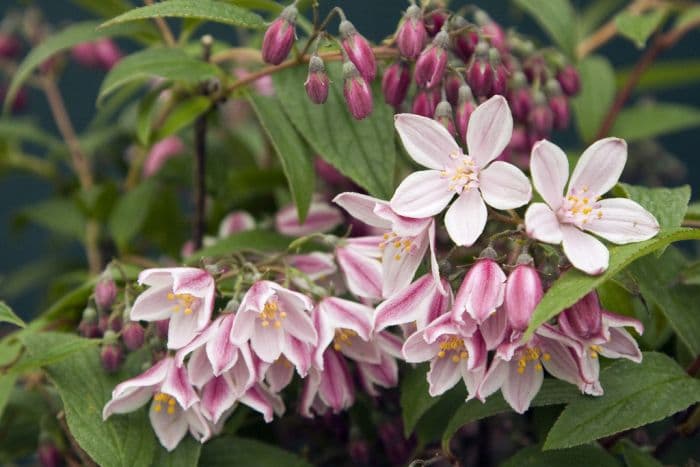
(638, 27)
(636, 394)
(295, 155)
(256, 240)
(131, 212)
(75, 34)
(666, 74)
(61, 216)
(209, 10)
(634, 455)
(230, 451)
(9, 316)
(647, 121)
(171, 64)
(362, 150)
(668, 205)
(184, 113)
(553, 392)
(185, 455)
(557, 18)
(596, 96)
(84, 387)
(533, 456)
(574, 284)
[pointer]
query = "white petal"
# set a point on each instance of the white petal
(169, 428)
(584, 251)
(504, 186)
(361, 207)
(466, 218)
(422, 194)
(549, 167)
(425, 140)
(542, 224)
(623, 221)
(489, 131)
(520, 388)
(600, 166)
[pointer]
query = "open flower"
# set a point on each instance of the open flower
(474, 178)
(565, 217)
(360, 260)
(183, 295)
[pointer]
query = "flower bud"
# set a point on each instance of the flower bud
(160, 153)
(412, 34)
(107, 53)
(279, 37)
(464, 43)
(20, 100)
(569, 80)
(443, 114)
(540, 120)
(105, 292)
(358, 95)
(559, 105)
(452, 84)
(520, 97)
(133, 335)
(49, 455)
(480, 73)
(111, 357)
(84, 54)
(425, 102)
(535, 69)
(465, 107)
(523, 293)
(519, 142)
(584, 319)
(500, 73)
(358, 49)
(434, 21)
(317, 82)
(491, 30)
(481, 292)
(10, 46)
(395, 83)
(432, 62)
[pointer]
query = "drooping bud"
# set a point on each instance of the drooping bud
(432, 62)
(162, 328)
(569, 80)
(10, 46)
(540, 120)
(465, 107)
(463, 41)
(584, 319)
(133, 335)
(523, 293)
(425, 102)
(88, 324)
(559, 105)
(85, 55)
(358, 95)
(279, 37)
(317, 82)
(412, 35)
(105, 292)
(520, 97)
(111, 357)
(535, 69)
(443, 114)
(107, 53)
(500, 73)
(358, 49)
(434, 20)
(480, 73)
(107, 323)
(481, 292)
(160, 153)
(452, 84)
(519, 142)
(491, 30)
(395, 83)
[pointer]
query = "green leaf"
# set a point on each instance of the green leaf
(688, 16)
(634, 455)
(255, 240)
(144, 115)
(40, 355)
(638, 27)
(595, 13)
(185, 455)
(75, 34)
(295, 155)
(574, 284)
(58, 215)
(636, 394)
(25, 130)
(7, 384)
(557, 18)
(104, 8)
(9, 316)
(533, 456)
(84, 387)
(647, 121)
(668, 74)
(171, 64)
(230, 451)
(596, 96)
(668, 205)
(553, 392)
(184, 113)
(131, 212)
(200, 9)
(362, 150)
(415, 400)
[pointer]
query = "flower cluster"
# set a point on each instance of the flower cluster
(347, 315)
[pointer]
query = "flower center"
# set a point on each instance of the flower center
(272, 314)
(464, 175)
(595, 350)
(343, 337)
(400, 245)
(455, 346)
(184, 300)
(162, 399)
(579, 208)
(531, 354)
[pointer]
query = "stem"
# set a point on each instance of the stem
(200, 143)
(163, 27)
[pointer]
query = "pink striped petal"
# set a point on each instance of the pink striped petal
(320, 218)
(264, 401)
(504, 186)
(489, 131)
(416, 349)
(279, 375)
(399, 266)
(466, 218)
(178, 385)
(621, 345)
(182, 329)
(237, 221)
(221, 352)
(363, 274)
(522, 294)
(309, 392)
(493, 379)
(472, 378)
(561, 363)
(422, 194)
(617, 321)
(493, 330)
(426, 141)
(217, 397)
(408, 305)
(169, 428)
(336, 389)
(599, 167)
(549, 167)
(385, 374)
(542, 224)
(584, 251)
(361, 207)
(199, 369)
(520, 388)
(623, 221)
(128, 401)
(481, 292)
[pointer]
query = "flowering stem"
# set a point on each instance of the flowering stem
(163, 28)
(200, 143)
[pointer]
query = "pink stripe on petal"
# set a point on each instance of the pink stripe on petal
(362, 274)
(621, 345)
(406, 306)
(493, 330)
(416, 349)
(361, 207)
(422, 194)
(493, 379)
(221, 352)
(336, 388)
(481, 292)
(489, 131)
(426, 141)
(584, 251)
(504, 186)
(217, 397)
(549, 167)
(178, 385)
(320, 218)
(600, 166)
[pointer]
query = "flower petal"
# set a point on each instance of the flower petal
(425, 140)
(399, 266)
(443, 375)
(221, 352)
(493, 330)
(422, 194)
(489, 131)
(416, 349)
(217, 398)
(481, 292)
(279, 375)
(267, 343)
(199, 370)
(599, 167)
(584, 251)
(621, 345)
(178, 385)
(169, 428)
(623, 221)
(520, 388)
(321, 217)
(542, 224)
(504, 186)
(152, 305)
(466, 218)
(493, 379)
(406, 306)
(361, 207)
(182, 329)
(363, 274)
(336, 389)
(549, 167)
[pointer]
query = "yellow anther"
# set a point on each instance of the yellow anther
(546, 357)
(463, 355)
(171, 296)
(265, 323)
(521, 370)
(397, 257)
(188, 311)
(278, 324)
(283, 314)
(157, 408)
(397, 244)
(171, 410)
(337, 346)
(455, 358)
(538, 367)
(441, 354)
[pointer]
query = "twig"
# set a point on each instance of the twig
(163, 28)
(200, 143)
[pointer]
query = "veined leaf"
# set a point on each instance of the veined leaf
(258, 240)
(9, 316)
(185, 455)
(668, 205)
(666, 74)
(294, 154)
(597, 93)
(183, 114)
(43, 356)
(638, 28)
(590, 455)
(574, 284)
(210, 10)
(131, 212)
(651, 120)
(104, 8)
(636, 394)
(229, 451)
(557, 18)
(415, 400)
(58, 215)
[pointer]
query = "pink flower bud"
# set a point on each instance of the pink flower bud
(480, 73)
(569, 80)
(520, 101)
(540, 121)
(434, 21)
(519, 142)
(464, 43)
(105, 292)
(133, 335)
(160, 153)
(279, 37)
(330, 174)
(523, 293)
(321, 217)
(452, 85)
(482, 290)
(234, 222)
(500, 74)
(491, 30)
(111, 357)
(559, 105)
(443, 114)
(395, 83)
(465, 107)
(107, 323)
(85, 55)
(425, 102)
(317, 82)
(412, 34)
(535, 69)
(584, 319)
(358, 49)
(432, 62)
(49, 455)
(10, 46)
(359, 452)
(107, 53)
(358, 95)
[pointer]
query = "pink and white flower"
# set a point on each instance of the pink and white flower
(564, 218)
(185, 296)
(476, 178)
(481, 292)
(234, 222)
(321, 217)
(360, 260)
